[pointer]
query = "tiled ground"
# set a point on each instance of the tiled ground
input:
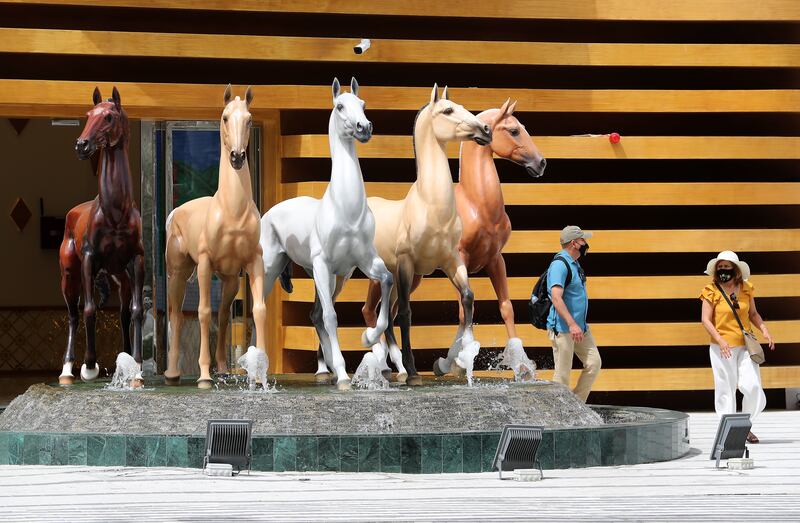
(688, 489)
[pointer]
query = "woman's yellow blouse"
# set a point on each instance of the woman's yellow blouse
(723, 318)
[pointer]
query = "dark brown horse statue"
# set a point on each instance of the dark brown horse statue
(104, 234)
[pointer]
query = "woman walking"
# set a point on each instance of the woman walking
(730, 360)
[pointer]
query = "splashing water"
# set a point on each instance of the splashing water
(466, 359)
(256, 363)
(368, 374)
(127, 369)
(514, 358)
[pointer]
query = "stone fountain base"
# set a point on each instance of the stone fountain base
(439, 427)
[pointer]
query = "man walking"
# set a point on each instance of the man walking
(566, 325)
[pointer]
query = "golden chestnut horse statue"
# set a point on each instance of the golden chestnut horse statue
(479, 198)
(420, 234)
(217, 234)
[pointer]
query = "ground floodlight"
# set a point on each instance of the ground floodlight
(731, 437)
(517, 448)
(228, 441)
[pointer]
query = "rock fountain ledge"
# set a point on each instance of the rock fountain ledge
(440, 427)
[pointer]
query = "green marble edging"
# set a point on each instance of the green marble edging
(617, 444)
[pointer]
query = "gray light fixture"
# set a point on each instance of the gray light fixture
(65, 122)
(229, 441)
(731, 437)
(517, 448)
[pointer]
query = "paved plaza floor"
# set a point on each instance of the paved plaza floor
(688, 489)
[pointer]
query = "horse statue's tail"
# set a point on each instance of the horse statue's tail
(102, 288)
(286, 278)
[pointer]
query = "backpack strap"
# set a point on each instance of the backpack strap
(569, 270)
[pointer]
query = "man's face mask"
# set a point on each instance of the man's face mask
(583, 248)
(724, 275)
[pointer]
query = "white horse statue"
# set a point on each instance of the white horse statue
(330, 237)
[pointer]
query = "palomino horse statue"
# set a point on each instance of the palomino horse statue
(479, 198)
(330, 237)
(217, 234)
(104, 234)
(420, 234)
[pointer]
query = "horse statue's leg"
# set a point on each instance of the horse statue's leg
(89, 370)
(255, 270)
(125, 296)
(325, 284)
(376, 270)
(230, 286)
(324, 354)
(405, 278)
(204, 273)
(179, 269)
(463, 353)
(71, 289)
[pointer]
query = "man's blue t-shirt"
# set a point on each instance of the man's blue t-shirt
(575, 296)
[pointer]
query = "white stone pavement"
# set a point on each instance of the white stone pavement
(688, 489)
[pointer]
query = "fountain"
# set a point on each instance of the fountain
(441, 426)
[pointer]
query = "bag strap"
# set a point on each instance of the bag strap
(569, 270)
(728, 301)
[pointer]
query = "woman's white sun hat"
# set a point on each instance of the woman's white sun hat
(731, 257)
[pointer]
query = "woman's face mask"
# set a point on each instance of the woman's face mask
(725, 274)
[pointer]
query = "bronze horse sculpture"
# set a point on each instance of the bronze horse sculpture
(104, 234)
(479, 199)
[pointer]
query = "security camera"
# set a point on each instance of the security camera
(362, 46)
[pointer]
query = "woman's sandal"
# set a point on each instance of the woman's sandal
(751, 438)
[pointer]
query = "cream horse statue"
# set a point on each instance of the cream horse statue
(330, 237)
(217, 234)
(420, 234)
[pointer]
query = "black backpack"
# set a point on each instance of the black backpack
(540, 303)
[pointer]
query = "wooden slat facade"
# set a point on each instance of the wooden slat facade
(641, 263)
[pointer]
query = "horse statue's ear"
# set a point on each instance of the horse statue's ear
(435, 94)
(116, 98)
(336, 87)
(444, 93)
(511, 109)
(96, 97)
(248, 95)
(228, 94)
(354, 86)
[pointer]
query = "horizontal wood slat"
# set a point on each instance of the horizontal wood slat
(679, 10)
(311, 49)
(600, 287)
(71, 98)
(677, 240)
(537, 193)
(580, 147)
(665, 378)
(606, 335)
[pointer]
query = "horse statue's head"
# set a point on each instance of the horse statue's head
(106, 125)
(451, 122)
(234, 127)
(348, 115)
(510, 139)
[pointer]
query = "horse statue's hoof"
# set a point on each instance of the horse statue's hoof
(90, 374)
(438, 369)
(387, 374)
(323, 378)
(172, 382)
(365, 338)
(458, 371)
(402, 377)
(414, 381)
(66, 379)
(205, 383)
(343, 384)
